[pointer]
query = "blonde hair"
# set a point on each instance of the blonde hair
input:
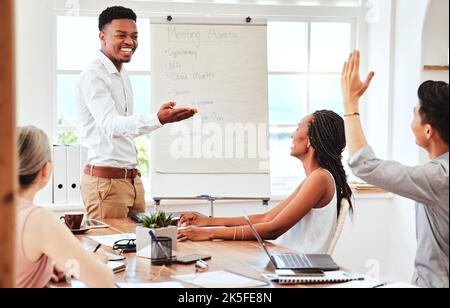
(33, 151)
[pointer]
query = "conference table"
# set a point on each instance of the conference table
(246, 258)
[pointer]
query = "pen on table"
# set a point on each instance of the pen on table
(155, 239)
(380, 286)
(97, 248)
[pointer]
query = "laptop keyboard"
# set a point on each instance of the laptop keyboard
(295, 261)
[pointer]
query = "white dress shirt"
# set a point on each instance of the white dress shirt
(107, 126)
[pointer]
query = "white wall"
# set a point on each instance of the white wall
(409, 21)
(436, 34)
(379, 52)
(407, 76)
(34, 60)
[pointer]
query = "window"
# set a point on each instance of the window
(77, 44)
(345, 3)
(305, 63)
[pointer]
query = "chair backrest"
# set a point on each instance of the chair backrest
(345, 207)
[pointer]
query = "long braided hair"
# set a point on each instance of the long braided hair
(327, 136)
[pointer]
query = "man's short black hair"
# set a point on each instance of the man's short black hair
(115, 12)
(434, 105)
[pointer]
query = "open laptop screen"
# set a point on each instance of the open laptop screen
(258, 237)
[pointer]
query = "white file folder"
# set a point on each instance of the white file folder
(73, 174)
(59, 174)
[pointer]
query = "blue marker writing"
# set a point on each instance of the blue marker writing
(204, 197)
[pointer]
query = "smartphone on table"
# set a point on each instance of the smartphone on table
(190, 259)
(95, 224)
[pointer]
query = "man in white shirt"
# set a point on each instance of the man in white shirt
(111, 186)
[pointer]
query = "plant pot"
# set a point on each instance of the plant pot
(144, 241)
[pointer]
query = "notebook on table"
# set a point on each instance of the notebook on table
(327, 277)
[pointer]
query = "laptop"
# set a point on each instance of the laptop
(295, 261)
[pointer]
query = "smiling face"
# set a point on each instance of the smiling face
(119, 41)
(300, 139)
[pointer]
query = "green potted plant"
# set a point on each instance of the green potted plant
(158, 222)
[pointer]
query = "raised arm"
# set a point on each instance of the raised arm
(353, 89)
(410, 182)
(424, 184)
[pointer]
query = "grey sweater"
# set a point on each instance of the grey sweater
(428, 186)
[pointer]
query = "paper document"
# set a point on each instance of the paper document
(160, 285)
(110, 240)
(399, 285)
(221, 279)
(357, 285)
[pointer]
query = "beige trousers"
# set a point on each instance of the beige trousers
(112, 198)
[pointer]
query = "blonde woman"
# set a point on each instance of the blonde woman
(44, 244)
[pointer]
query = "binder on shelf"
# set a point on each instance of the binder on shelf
(59, 174)
(361, 187)
(73, 174)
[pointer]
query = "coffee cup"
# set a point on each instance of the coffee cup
(73, 220)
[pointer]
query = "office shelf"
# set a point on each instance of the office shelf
(435, 68)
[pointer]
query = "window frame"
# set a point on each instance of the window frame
(308, 21)
(279, 182)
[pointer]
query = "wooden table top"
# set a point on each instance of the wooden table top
(246, 258)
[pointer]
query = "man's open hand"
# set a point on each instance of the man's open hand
(352, 86)
(169, 114)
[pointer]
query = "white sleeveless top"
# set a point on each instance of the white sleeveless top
(314, 232)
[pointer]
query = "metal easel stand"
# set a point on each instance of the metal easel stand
(211, 200)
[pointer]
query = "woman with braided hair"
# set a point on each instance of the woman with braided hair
(307, 219)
